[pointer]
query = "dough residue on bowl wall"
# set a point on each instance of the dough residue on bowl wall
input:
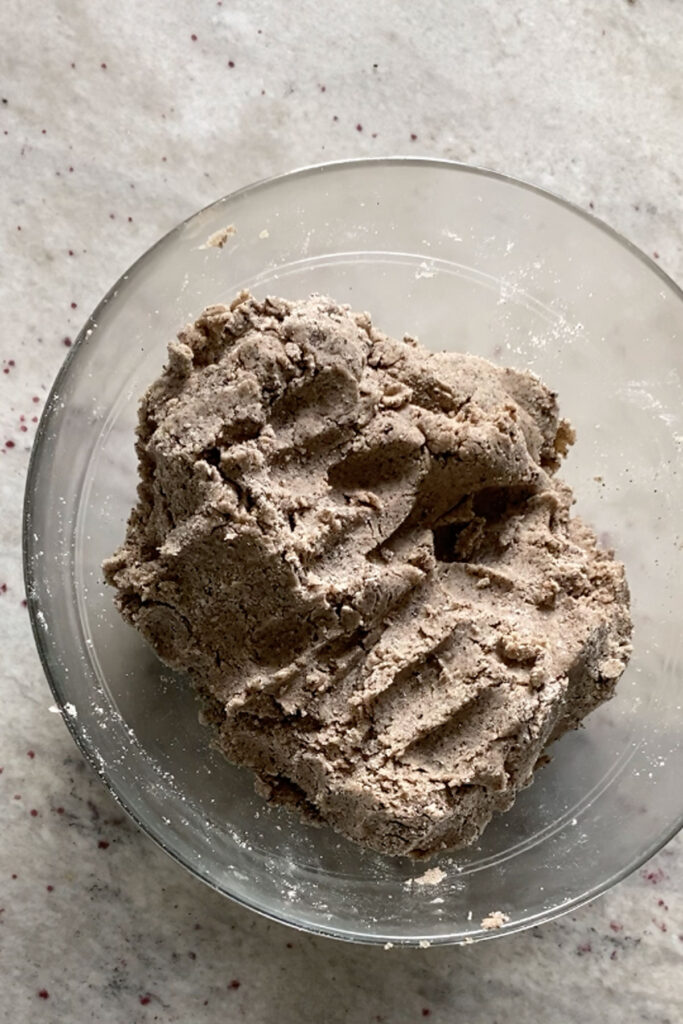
(496, 919)
(431, 877)
(218, 239)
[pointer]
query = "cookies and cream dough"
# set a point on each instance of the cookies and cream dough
(360, 553)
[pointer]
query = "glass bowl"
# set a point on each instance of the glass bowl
(465, 259)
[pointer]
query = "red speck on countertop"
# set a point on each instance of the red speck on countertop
(654, 876)
(616, 927)
(359, 127)
(43, 993)
(67, 342)
(103, 844)
(193, 38)
(33, 812)
(234, 983)
(145, 1000)
(583, 948)
(31, 754)
(50, 888)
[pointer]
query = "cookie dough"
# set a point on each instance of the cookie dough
(360, 553)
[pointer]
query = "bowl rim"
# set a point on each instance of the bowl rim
(32, 581)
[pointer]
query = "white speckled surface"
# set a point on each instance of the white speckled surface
(115, 123)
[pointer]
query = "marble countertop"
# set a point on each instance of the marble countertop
(118, 120)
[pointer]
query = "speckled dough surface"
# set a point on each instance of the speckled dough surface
(360, 553)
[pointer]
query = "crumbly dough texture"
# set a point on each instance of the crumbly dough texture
(360, 553)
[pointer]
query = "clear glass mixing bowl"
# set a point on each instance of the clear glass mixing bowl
(464, 259)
